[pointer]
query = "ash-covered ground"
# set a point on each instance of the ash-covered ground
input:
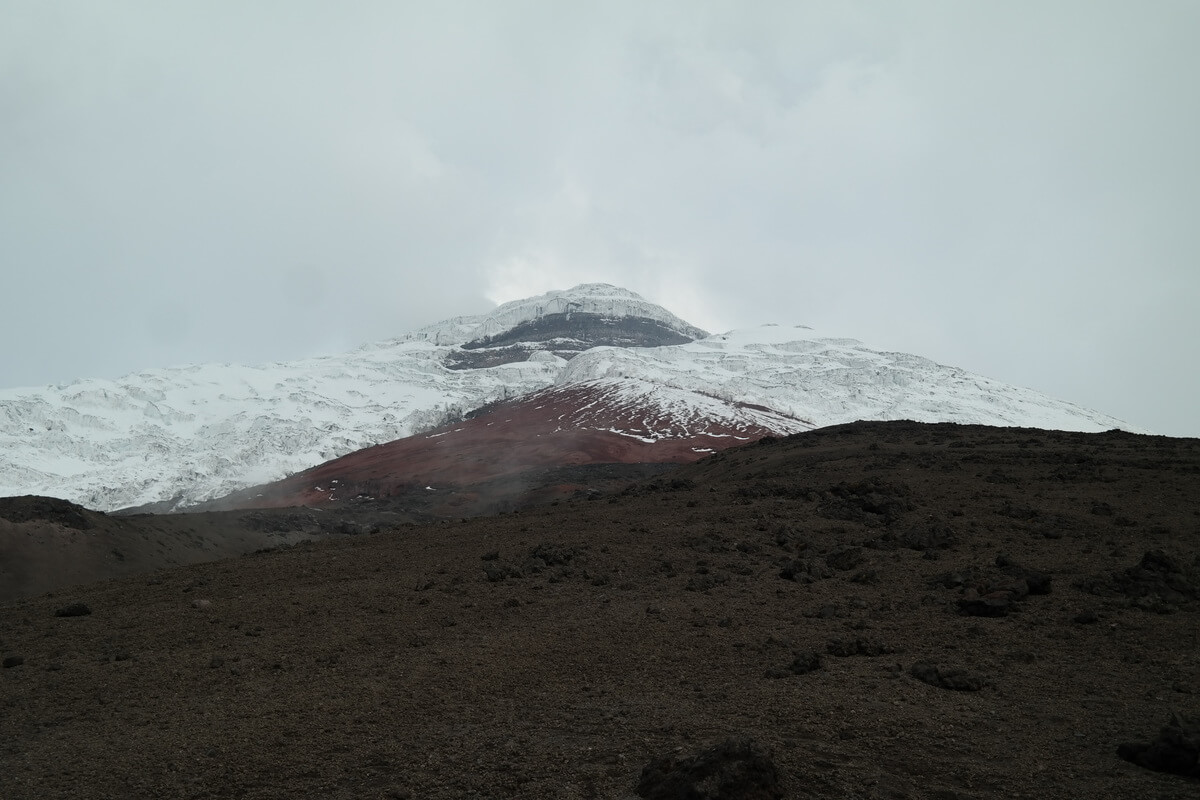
(878, 610)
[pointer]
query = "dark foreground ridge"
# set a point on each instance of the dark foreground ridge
(883, 610)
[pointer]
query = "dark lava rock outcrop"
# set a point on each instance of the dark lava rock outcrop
(804, 662)
(857, 647)
(993, 591)
(29, 508)
(954, 678)
(74, 610)
(735, 769)
(566, 335)
(1176, 749)
(1158, 576)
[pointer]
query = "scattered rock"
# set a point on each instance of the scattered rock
(992, 604)
(1176, 750)
(785, 536)
(951, 580)
(993, 591)
(806, 661)
(702, 583)
(1021, 512)
(1036, 581)
(805, 570)
(497, 571)
(554, 554)
(710, 543)
(857, 647)
(269, 522)
(871, 502)
(933, 536)
(959, 680)
(846, 560)
(736, 769)
(826, 611)
(1157, 575)
(349, 527)
(929, 536)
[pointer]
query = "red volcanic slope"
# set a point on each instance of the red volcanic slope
(598, 422)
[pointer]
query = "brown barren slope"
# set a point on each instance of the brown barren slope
(479, 459)
(556, 443)
(552, 653)
(47, 543)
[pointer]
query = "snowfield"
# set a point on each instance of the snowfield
(827, 381)
(189, 434)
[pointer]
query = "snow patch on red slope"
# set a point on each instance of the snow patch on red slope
(654, 412)
(598, 422)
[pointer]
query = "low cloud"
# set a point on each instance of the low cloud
(1004, 188)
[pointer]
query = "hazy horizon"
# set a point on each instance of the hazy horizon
(1005, 189)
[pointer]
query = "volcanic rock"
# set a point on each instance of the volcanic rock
(73, 610)
(1157, 575)
(1176, 749)
(956, 679)
(388, 664)
(735, 769)
(50, 509)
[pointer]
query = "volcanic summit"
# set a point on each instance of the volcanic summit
(174, 438)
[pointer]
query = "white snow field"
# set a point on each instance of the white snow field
(188, 434)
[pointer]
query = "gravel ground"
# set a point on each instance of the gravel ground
(884, 610)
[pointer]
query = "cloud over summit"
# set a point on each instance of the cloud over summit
(1007, 188)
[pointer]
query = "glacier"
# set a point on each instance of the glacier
(188, 434)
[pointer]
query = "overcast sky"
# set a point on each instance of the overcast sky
(1012, 188)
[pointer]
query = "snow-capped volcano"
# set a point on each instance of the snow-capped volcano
(192, 433)
(607, 421)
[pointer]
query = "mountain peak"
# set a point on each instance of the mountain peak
(194, 433)
(540, 316)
